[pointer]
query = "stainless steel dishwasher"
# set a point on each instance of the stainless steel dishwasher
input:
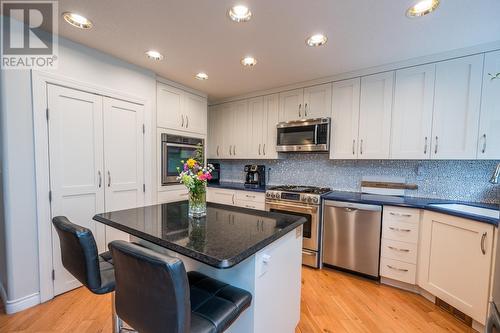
(351, 236)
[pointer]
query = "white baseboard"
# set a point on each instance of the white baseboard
(23, 303)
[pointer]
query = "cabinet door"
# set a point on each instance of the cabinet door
(123, 158)
(456, 108)
(345, 119)
(179, 193)
(318, 101)
(221, 196)
(271, 108)
(76, 168)
(214, 137)
(169, 107)
(455, 262)
(240, 129)
(256, 127)
(291, 105)
(489, 125)
(226, 121)
(412, 113)
(195, 113)
(375, 116)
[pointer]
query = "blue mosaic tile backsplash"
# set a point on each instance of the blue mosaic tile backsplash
(454, 180)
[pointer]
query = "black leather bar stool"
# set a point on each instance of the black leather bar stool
(154, 294)
(79, 256)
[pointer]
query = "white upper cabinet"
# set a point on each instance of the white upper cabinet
(180, 110)
(291, 104)
(457, 100)
(345, 119)
(412, 112)
(271, 103)
(256, 127)
(317, 101)
(375, 116)
(489, 124)
(215, 133)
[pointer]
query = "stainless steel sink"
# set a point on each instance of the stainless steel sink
(481, 211)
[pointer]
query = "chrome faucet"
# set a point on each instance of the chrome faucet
(496, 175)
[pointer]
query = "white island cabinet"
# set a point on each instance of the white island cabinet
(455, 262)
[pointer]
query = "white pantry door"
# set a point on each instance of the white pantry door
(76, 168)
(123, 158)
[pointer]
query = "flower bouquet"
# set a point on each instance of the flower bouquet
(195, 176)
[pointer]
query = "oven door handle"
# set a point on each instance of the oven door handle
(316, 134)
(292, 208)
(181, 145)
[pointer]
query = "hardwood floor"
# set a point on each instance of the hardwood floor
(331, 302)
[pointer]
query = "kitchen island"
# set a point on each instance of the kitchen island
(254, 250)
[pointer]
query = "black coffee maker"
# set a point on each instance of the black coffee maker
(255, 175)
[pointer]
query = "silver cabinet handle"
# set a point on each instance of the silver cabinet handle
(436, 146)
(109, 179)
(232, 198)
(100, 178)
(354, 146)
(259, 148)
(308, 253)
(425, 146)
(182, 117)
(483, 239)
(230, 153)
(248, 206)
(396, 249)
(397, 269)
(350, 210)
(398, 229)
(400, 214)
(305, 110)
(250, 196)
(300, 107)
(217, 150)
(234, 150)
(484, 144)
(264, 149)
(187, 121)
(361, 147)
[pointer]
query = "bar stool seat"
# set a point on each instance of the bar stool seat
(214, 304)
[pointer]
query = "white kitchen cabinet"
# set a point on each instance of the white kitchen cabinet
(214, 133)
(291, 104)
(256, 127)
(412, 112)
(173, 193)
(345, 119)
(271, 108)
(375, 116)
(457, 97)
(244, 199)
(489, 124)
(317, 101)
(221, 196)
(180, 110)
(455, 257)
(239, 129)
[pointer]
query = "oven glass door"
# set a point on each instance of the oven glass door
(172, 155)
(296, 136)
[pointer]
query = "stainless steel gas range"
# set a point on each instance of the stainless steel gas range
(304, 201)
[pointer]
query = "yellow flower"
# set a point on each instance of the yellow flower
(200, 173)
(190, 163)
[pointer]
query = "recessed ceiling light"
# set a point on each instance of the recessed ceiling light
(77, 20)
(240, 13)
(422, 7)
(155, 55)
(248, 61)
(316, 40)
(202, 76)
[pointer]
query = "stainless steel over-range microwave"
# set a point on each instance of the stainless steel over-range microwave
(308, 135)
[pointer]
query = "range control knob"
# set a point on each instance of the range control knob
(315, 200)
(309, 199)
(304, 199)
(268, 195)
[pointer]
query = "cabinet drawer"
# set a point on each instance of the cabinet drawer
(400, 231)
(250, 196)
(401, 214)
(172, 195)
(221, 196)
(251, 204)
(398, 270)
(402, 251)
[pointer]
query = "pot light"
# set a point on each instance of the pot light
(77, 20)
(240, 13)
(202, 76)
(248, 61)
(155, 55)
(422, 7)
(316, 40)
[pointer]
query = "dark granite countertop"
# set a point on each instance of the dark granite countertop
(238, 186)
(412, 202)
(225, 237)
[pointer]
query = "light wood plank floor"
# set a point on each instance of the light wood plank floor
(331, 302)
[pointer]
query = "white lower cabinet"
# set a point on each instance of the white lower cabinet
(455, 262)
(244, 199)
(172, 194)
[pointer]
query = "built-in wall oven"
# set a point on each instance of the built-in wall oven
(305, 202)
(174, 149)
(307, 135)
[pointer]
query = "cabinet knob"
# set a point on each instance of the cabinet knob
(484, 144)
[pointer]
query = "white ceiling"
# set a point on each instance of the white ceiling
(196, 35)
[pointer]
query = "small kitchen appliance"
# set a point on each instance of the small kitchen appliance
(215, 174)
(255, 175)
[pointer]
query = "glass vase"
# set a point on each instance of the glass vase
(198, 203)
